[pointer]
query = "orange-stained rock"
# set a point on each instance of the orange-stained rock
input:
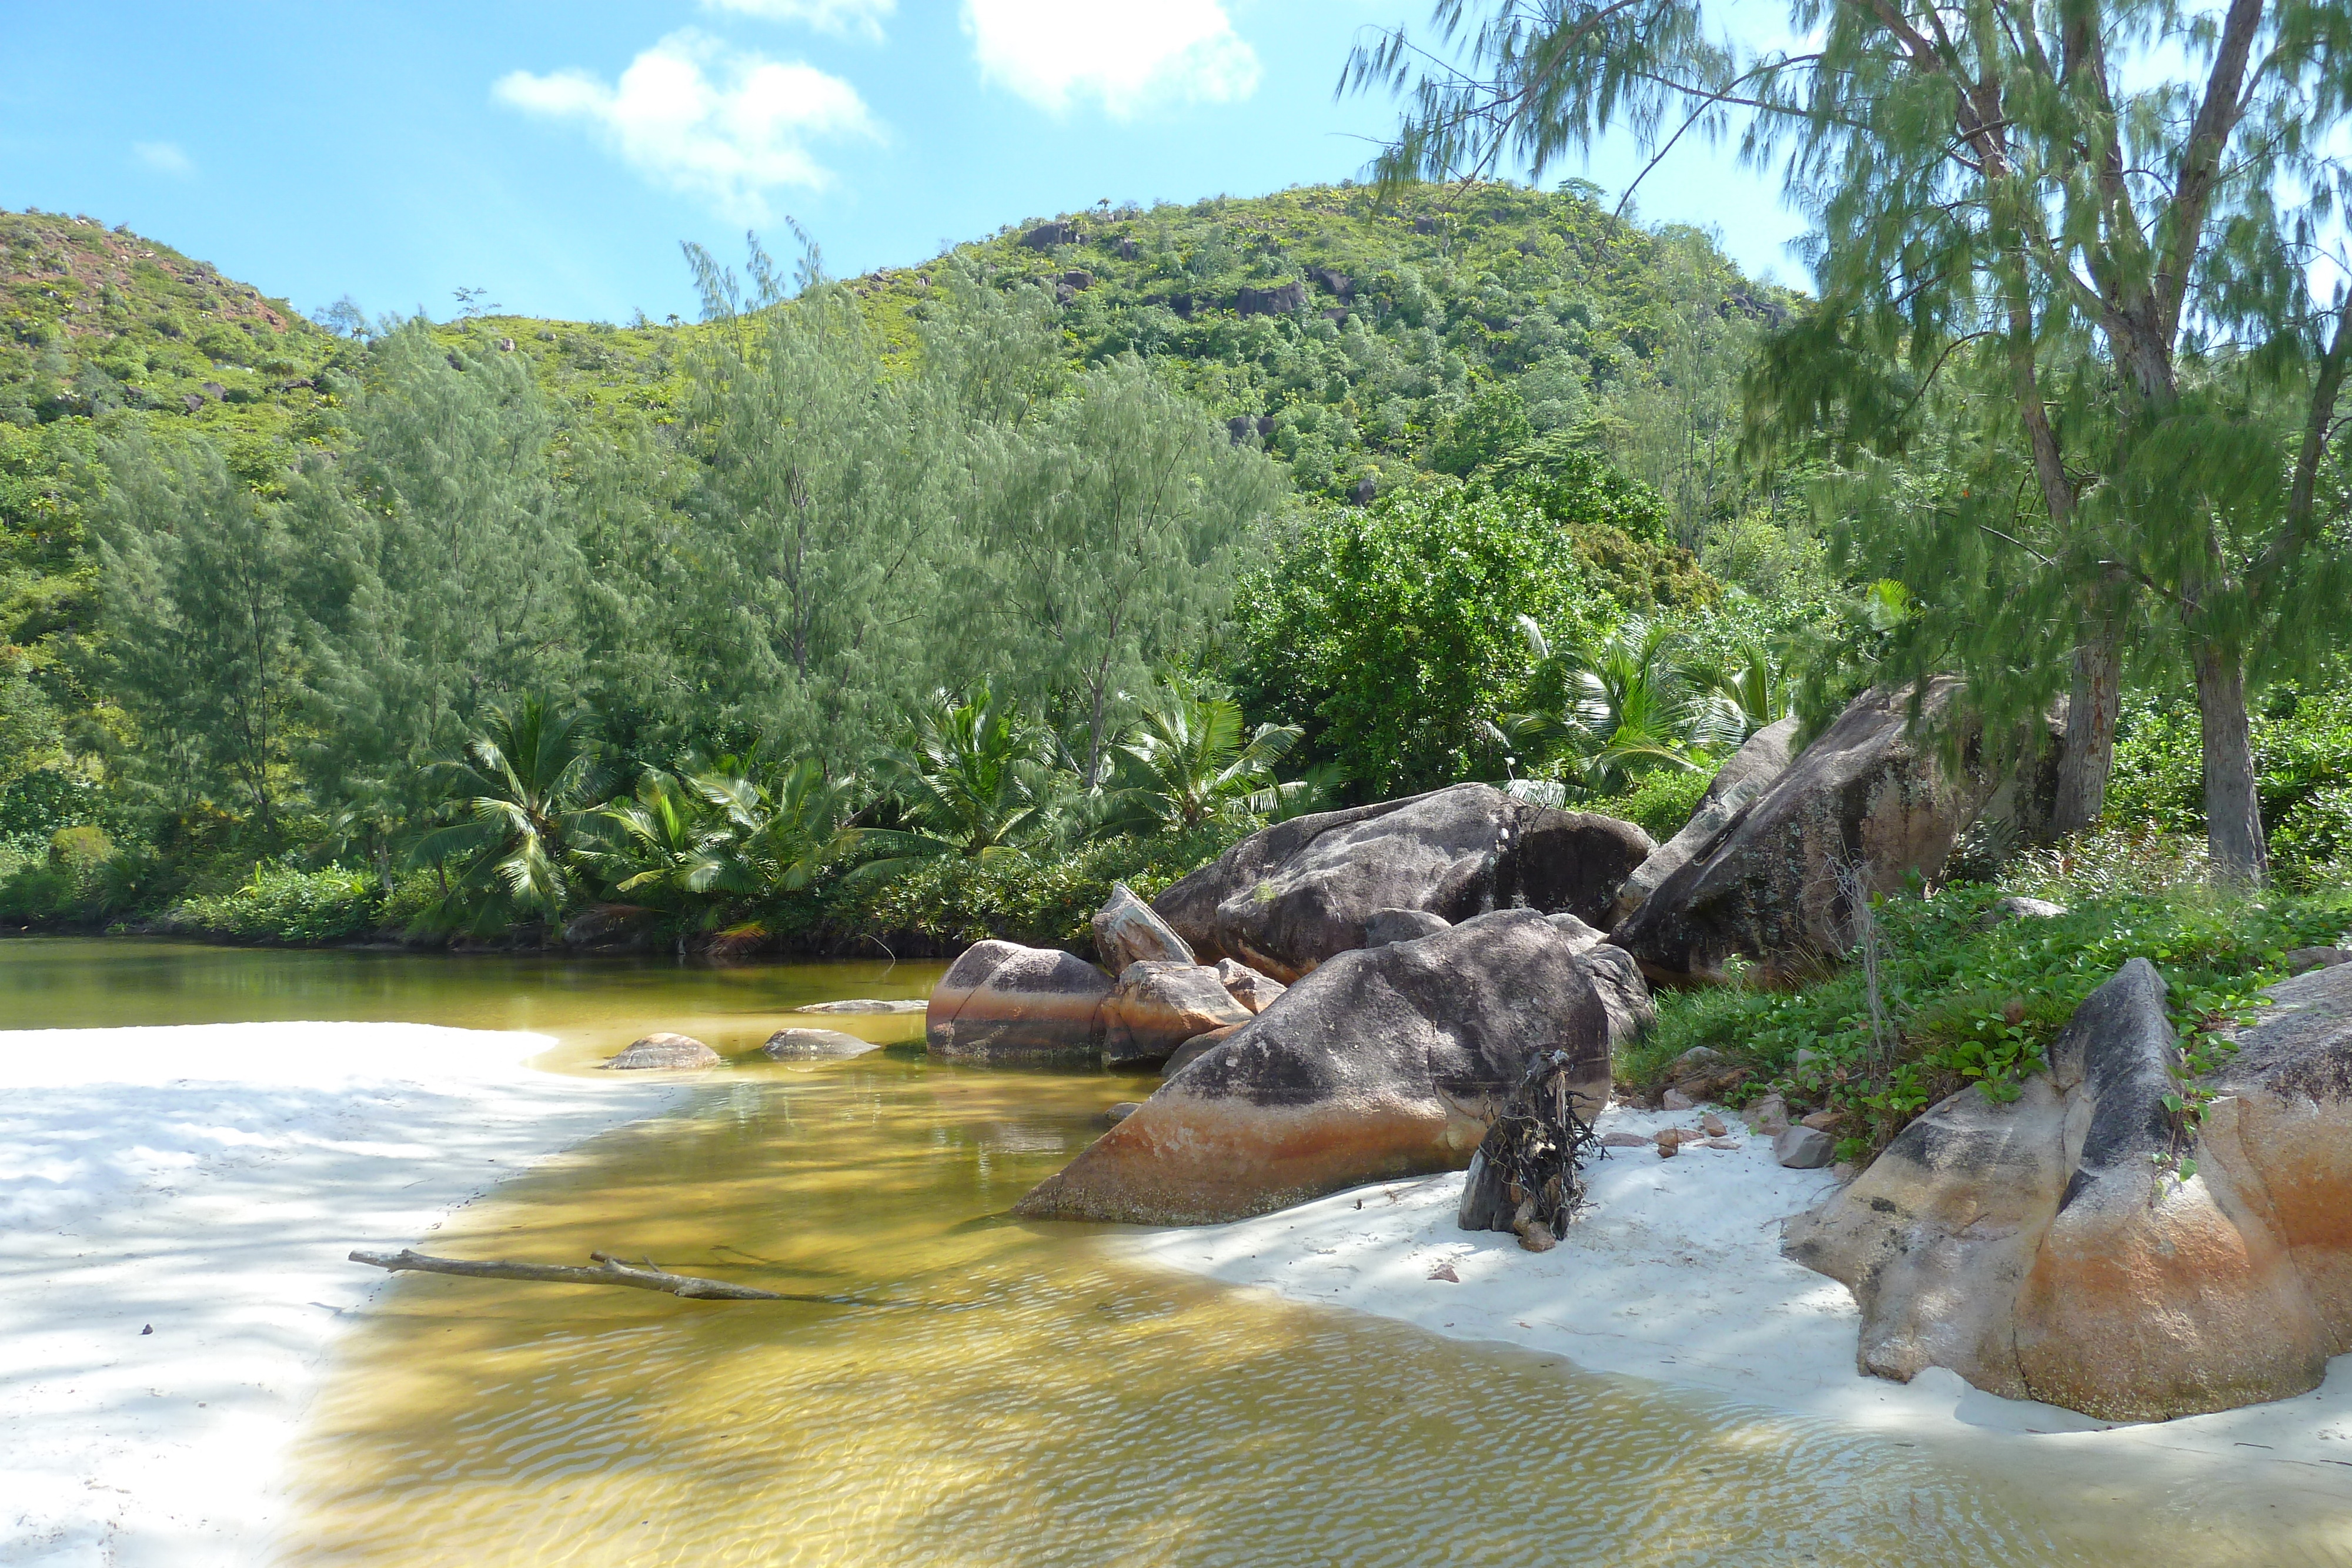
(1385, 1063)
(1003, 1002)
(1246, 986)
(2073, 1247)
(1155, 1008)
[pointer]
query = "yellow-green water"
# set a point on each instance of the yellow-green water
(1029, 1397)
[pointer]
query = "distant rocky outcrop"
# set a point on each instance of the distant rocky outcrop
(1003, 1002)
(1279, 300)
(1379, 1063)
(1873, 789)
(2084, 1246)
(1045, 236)
(1297, 893)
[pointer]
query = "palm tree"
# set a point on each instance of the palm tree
(524, 787)
(1753, 683)
(1627, 704)
(969, 778)
(778, 824)
(1187, 762)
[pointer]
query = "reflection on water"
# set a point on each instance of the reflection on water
(595, 1005)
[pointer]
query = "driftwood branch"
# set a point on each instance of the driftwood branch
(609, 1271)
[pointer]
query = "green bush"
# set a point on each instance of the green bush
(1046, 900)
(2303, 762)
(281, 903)
(1388, 634)
(1970, 1003)
(1659, 803)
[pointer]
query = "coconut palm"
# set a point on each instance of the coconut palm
(971, 777)
(1187, 760)
(777, 824)
(1624, 705)
(522, 789)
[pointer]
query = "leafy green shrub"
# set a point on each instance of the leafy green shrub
(1044, 900)
(1971, 1003)
(1660, 802)
(2302, 764)
(1388, 634)
(281, 903)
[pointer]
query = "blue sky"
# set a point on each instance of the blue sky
(555, 154)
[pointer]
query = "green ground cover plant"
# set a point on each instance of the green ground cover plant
(1975, 1000)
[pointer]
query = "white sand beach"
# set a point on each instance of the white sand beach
(1673, 1273)
(175, 1208)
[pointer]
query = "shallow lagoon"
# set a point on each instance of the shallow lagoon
(1026, 1395)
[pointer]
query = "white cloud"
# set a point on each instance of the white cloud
(1126, 54)
(697, 116)
(840, 17)
(164, 157)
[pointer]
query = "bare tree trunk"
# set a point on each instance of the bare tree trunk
(2233, 812)
(2090, 750)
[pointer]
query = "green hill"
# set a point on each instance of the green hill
(1360, 345)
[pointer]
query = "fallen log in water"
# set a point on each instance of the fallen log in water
(609, 1271)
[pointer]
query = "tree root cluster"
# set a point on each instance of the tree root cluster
(1526, 1174)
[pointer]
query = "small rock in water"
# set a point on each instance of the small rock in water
(865, 1005)
(1125, 1108)
(813, 1044)
(1803, 1148)
(664, 1050)
(1768, 1115)
(1713, 1125)
(1622, 1140)
(1676, 1100)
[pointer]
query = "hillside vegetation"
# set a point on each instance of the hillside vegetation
(923, 603)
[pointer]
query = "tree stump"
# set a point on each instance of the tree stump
(1526, 1174)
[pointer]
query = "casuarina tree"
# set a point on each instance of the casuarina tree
(2113, 221)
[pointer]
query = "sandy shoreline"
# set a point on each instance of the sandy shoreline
(205, 1181)
(1673, 1273)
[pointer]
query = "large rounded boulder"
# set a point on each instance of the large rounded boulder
(1875, 789)
(1380, 1064)
(1003, 1002)
(2082, 1245)
(1299, 893)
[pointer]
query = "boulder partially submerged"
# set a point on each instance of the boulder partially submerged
(1874, 789)
(2083, 1246)
(664, 1051)
(1379, 1063)
(1003, 1002)
(815, 1045)
(1299, 893)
